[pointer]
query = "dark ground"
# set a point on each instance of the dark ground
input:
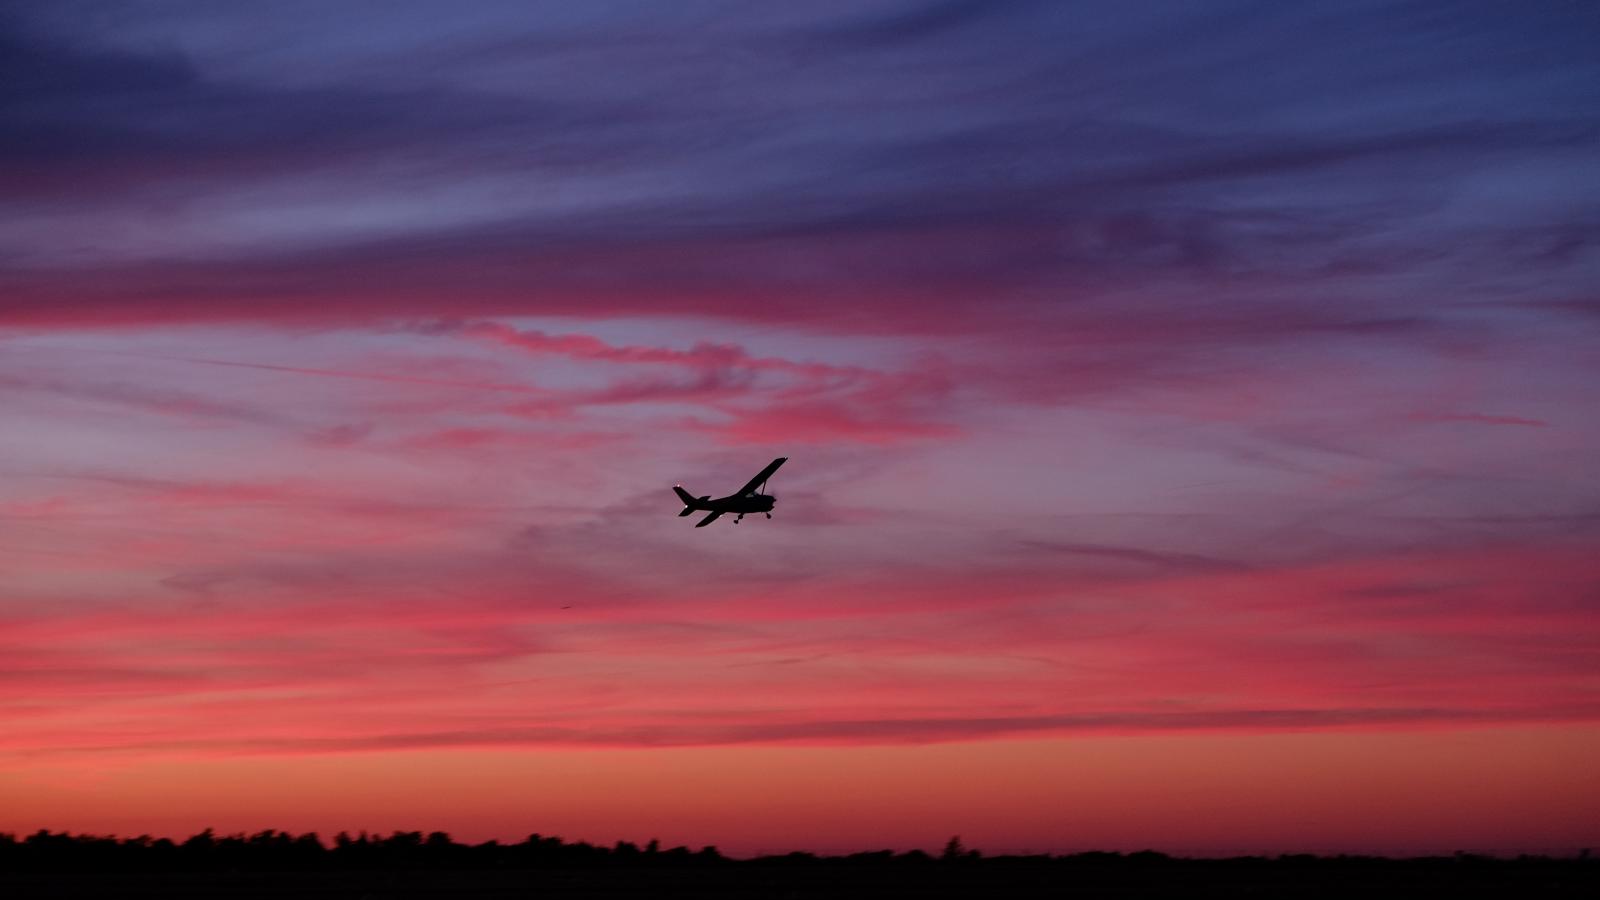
(999, 877)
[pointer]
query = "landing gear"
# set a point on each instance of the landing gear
(769, 515)
(739, 518)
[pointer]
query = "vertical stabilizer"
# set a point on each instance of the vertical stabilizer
(690, 504)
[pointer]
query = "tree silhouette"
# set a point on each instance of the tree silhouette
(355, 864)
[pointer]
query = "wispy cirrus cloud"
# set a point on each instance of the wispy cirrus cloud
(1290, 647)
(1013, 179)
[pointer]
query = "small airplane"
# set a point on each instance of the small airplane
(747, 499)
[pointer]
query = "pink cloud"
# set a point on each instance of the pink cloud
(913, 658)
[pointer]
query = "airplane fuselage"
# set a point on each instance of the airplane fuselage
(750, 503)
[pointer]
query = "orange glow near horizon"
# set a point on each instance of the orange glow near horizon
(1502, 790)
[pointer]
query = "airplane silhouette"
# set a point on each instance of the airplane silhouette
(745, 500)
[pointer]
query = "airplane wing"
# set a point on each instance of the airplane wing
(766, 473)
(708, 519)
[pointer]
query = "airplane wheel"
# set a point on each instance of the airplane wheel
(769, 515)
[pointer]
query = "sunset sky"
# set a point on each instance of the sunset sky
(1192, 411)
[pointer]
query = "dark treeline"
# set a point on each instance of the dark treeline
(281, 850)
(410, 864)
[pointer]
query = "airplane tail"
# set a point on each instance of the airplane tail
(690, 504)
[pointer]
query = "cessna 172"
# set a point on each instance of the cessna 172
(747, 499)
